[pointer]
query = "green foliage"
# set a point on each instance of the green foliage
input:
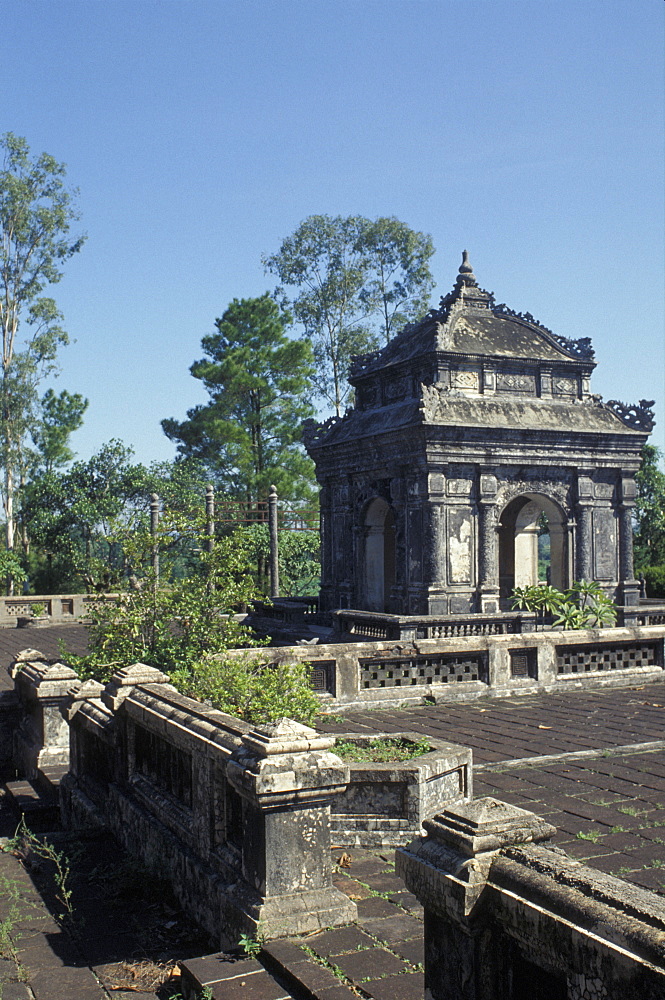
(584, 605)
(74, 520)
(250, 690)
(655, 580)
(258, 382)
(355, 280)
(650, 511)
(10, 566)
(299, 557)
(185, 627)
(36, 215)
(382, 750)
(25, 843)
(251, 944)
(171, 626)
(61, 416)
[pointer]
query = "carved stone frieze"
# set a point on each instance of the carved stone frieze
(564, 386)
(551, 488)
(459, 487)
(466, 380)
(508, 382)
(396, 389)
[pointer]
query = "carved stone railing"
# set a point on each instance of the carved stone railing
(373, 625)
(506, 916)
(60, 608)
(240, 816)
(398, 671)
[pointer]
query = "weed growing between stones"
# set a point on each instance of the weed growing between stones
(385, 750)
(10, 895)
(251, 944)
(591, 835)
(25, 845)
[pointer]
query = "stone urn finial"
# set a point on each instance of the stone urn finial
(465, 267)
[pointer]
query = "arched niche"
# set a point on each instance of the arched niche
(379, 555)
(520, 526)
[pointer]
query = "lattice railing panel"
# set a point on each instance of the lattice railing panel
(416, 670)
(589, 659)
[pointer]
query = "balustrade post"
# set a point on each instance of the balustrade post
(286, 777)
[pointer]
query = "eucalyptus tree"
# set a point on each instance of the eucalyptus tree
(355, 282)
(37, 213)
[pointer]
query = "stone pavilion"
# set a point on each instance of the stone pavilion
(473, 432)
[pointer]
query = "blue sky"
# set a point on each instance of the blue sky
(201, 133)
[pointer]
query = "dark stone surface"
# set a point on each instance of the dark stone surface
(406, 987)
(374, 962)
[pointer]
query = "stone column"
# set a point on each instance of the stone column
(629, 586)
(287, 778)
(584, 540)
(584, 547)
(488, 563)
(448, 870)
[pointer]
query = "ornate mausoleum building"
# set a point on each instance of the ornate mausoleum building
(473, 431)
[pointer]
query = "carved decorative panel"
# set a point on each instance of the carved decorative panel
(516, 383)
(605, 545)
(564, 386)
(466, 380)
(460, 545)
(395, 389)
(459, 487)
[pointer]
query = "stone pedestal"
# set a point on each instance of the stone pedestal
(448, 871)
(43, 735)
(286, 778)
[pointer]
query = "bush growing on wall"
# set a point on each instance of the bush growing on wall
(184, 628)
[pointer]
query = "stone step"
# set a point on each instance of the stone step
(230, 978)
(30, 799)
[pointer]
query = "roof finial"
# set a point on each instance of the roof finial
(465, 267)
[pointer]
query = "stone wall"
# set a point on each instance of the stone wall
(465, 667)
(238, 818)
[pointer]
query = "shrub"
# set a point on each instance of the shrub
(584, 605)
(253, 691)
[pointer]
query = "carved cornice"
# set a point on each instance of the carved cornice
(313, 433)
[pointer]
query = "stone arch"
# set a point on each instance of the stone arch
(519, 528)
(378, 555)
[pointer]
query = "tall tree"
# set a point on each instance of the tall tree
(73, 518)
(650, 510)
(399, 282)
(355, 282)
(36, 215)
(258, 380)
(61, 415)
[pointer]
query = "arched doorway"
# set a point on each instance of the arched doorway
(526, 523)
(379, 555)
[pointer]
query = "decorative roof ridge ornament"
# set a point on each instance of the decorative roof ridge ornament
(639, 416)
(580, 348)
(466, 292)
(313, 432)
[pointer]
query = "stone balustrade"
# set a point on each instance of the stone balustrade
(396, 672)
(506, 916)
(239, 818)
